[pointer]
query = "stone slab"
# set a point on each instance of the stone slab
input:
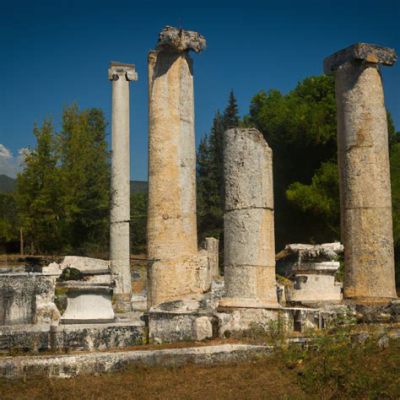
(169, 327)
(67, 366)
(371, 53)
(86, 337)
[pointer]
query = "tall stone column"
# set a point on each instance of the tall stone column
(249, 257)
(120, 75)
(363, 154)
(171, 227)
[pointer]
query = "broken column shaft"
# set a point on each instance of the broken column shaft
(249, 257)
(363, 155)
(120, 75)
(172, 227)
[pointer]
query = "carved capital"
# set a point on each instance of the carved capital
(119, 70)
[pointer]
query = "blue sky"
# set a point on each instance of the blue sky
(56, 52)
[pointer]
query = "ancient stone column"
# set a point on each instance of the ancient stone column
(249, 257)
(363, 154)
(171, 227)
(120, 75)
(211, 244)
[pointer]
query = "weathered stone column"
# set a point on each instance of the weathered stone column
(120, 75)
(363, 154)
(171, 227)
(249, 257)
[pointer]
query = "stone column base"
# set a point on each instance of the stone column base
(228, 302)
(369, 300)
(122, 302)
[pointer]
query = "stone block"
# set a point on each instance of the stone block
(87, 303)
(202, 328)
(247, 170)
(249, 237)
(369, 257)
(361, 52)
(85, 264)
(27, 298)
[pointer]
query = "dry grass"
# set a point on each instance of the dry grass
(258, 380)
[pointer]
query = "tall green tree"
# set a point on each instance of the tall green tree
(138, 224)
(38, 194)
(85, 176)
(395, 180)
(210, 172)
(9, 224)
(231, 117)
(300, 127)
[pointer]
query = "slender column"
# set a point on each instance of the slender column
(363, 154)
(171, 227)
(249, 239)
(120, 75)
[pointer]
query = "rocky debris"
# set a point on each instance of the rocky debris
(176, 39)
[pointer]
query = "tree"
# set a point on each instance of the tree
(38, 194)
(231, 114)
(138, 223)
(8, 219)
(395, 180)
(210, 172)
(85, 175)
(300, 127)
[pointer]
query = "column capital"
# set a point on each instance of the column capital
(176, 39)
(118, 70)
(364, 52)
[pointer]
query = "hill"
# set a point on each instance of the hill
(8, 185)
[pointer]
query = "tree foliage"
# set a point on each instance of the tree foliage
(210, 172)
(85, 176)
(63, 192)
(38, 193)
(138, 222)
(300, 127)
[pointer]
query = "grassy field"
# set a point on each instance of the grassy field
(335, 369)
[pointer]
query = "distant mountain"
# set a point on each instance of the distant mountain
(139, 187)
(8, 185)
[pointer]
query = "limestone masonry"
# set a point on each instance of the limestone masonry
(248, 221)
(363, 154)
(172, 226)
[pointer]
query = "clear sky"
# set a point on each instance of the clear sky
(56, 52)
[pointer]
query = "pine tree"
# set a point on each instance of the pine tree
(38, 192)
(231, 114)
(210, 172)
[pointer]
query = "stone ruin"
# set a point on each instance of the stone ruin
(186, 298)
(311, 270)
